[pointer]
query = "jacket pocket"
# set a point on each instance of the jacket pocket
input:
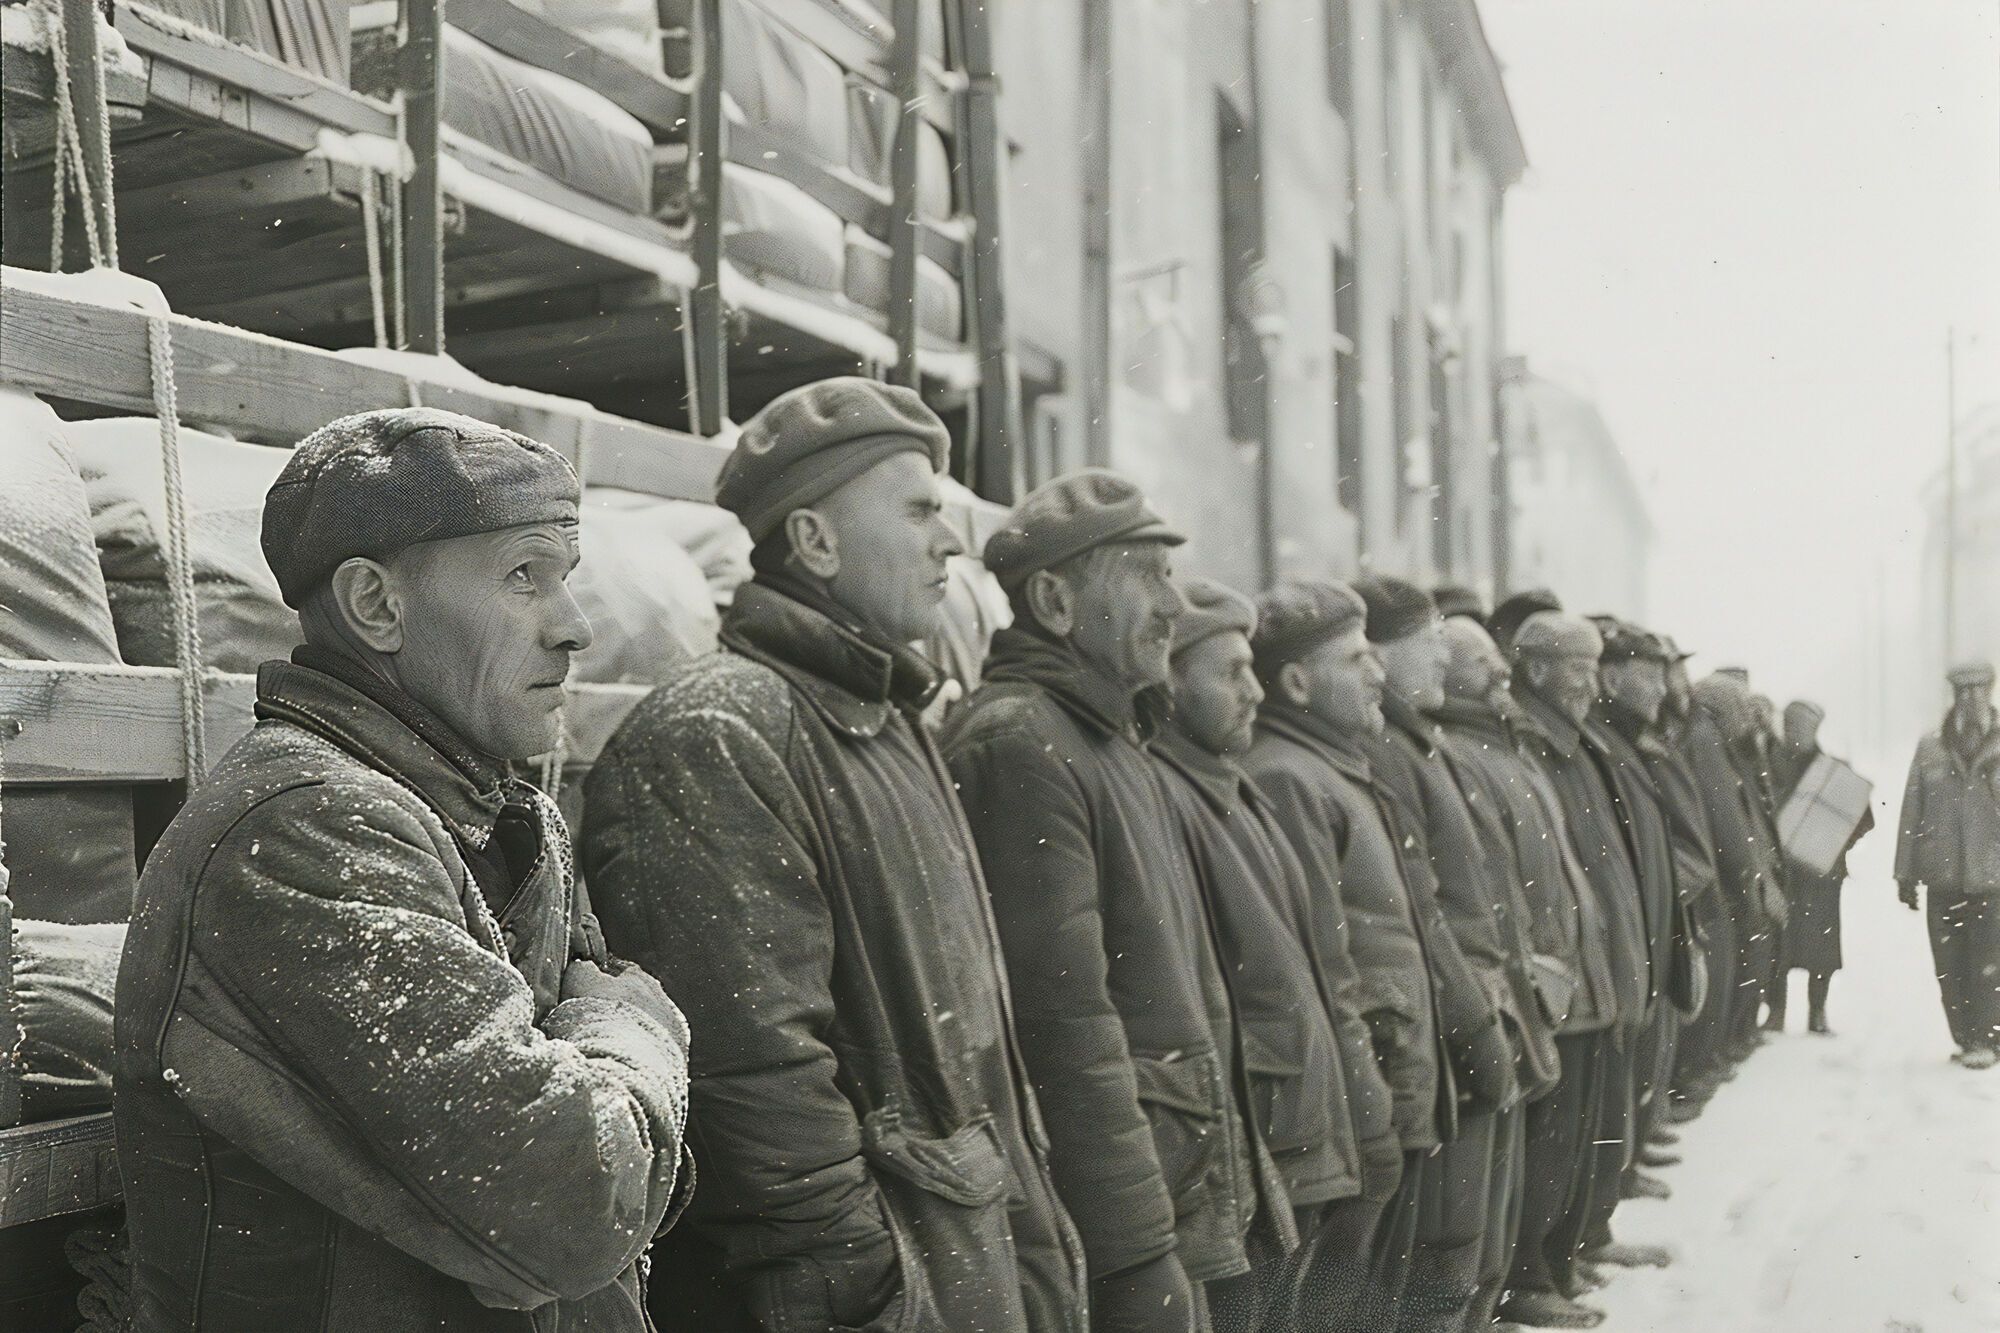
(1179, 1099)
(948, 1201)
(1290, 1100)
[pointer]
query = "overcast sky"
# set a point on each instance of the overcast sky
(1745, 229)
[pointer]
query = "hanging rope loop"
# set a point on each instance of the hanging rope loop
(179, 560)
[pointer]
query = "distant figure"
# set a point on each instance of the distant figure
(1811, 940)
(1950, 840)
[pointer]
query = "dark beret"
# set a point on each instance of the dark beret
(1066, 517)
(1297, 616)
(807, 443)
(1211, 608)
(1456, 600)
(376, 482)
(1508, 616)
(1627, 642)
(1395, 607)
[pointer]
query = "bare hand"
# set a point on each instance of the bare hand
(631, 984)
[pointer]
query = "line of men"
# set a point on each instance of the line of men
(1329, 961)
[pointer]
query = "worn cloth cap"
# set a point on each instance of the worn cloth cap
(1675, 653)
(1395, 607)
(376, 482)
(1507, 617)
(806, 444)
(1455, 600)
(1064, 518)
(1554, 634)
(1969, 673)
(1804, 708)
(1297, 616)
(1627, 642)
(1210, 608)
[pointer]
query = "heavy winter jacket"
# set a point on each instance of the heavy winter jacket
(1124, 1016)
(1291, 1020)
(1471, 881)
(1566, 917)
(1950, 830)
(1570, 759)
(1689, 828)
(1644, 814)
(774, 833)
(1537, 918)
(1745, 857)
(348, 1094)
(1420, 998)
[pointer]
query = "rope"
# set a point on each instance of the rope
(180, 567)
(69, 165)
(371, 232)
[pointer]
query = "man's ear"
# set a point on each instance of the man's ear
(369, 605)
(1294, 684)
(815, 545)
(1052, 601)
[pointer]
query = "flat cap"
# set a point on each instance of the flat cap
(1969, 673)
(1554, 634)
(1062, 519)
(1627, 642)
(1508, 616)
(1804, 708)
(1457, 600)
(1395, 607)
(1298, 615)
(1210, 608)
(1675, 653)
(376, 482)
(807, 443)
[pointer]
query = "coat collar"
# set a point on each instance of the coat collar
(1022, 655)
(1548, 723)
(1473, 716)
(345, 703)
(854, 680)
(1302, 728)
(1217, 777)
(1402, 715)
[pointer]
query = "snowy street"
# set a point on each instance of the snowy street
(1849, 1185)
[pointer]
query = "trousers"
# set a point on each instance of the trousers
(1455, 1183)
(1559, 1163)
(1965, 949)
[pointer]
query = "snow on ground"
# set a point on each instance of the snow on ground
(1843, 1185)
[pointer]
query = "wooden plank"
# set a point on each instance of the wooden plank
(420, 79)
(72, 722)
(58, 1167)
(276, 392)
(902, 312)
(998, 405)
(704, 332)
(532, 39)
(197, 73)
(86, 76)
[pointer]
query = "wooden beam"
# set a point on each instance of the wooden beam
(902, 312)
(982, 152)
(72, 722)
(276, 392)
(421, 79)
(704, 331)
(86, 79)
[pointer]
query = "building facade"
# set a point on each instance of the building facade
(1253, 261)
(1575, 520)
(1975, 585)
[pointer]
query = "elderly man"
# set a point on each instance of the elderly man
(1431, 1020)
(373, 1069)
(1407, 633)
(1556, 683)
(1315, 1093)
(1552, 909)
(1812, 925)
(774, 832)
(1949, 839)
(1126, 1020)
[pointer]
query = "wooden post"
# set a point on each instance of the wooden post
(983, 155)
(86, 82)
(1097, 127)
(907, 75)
(704, 335)
(421, 82)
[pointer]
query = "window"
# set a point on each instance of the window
(1237, 188)
(1348, 454)
(1340, 60)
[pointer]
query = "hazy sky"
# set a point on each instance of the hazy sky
(1745, 228)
